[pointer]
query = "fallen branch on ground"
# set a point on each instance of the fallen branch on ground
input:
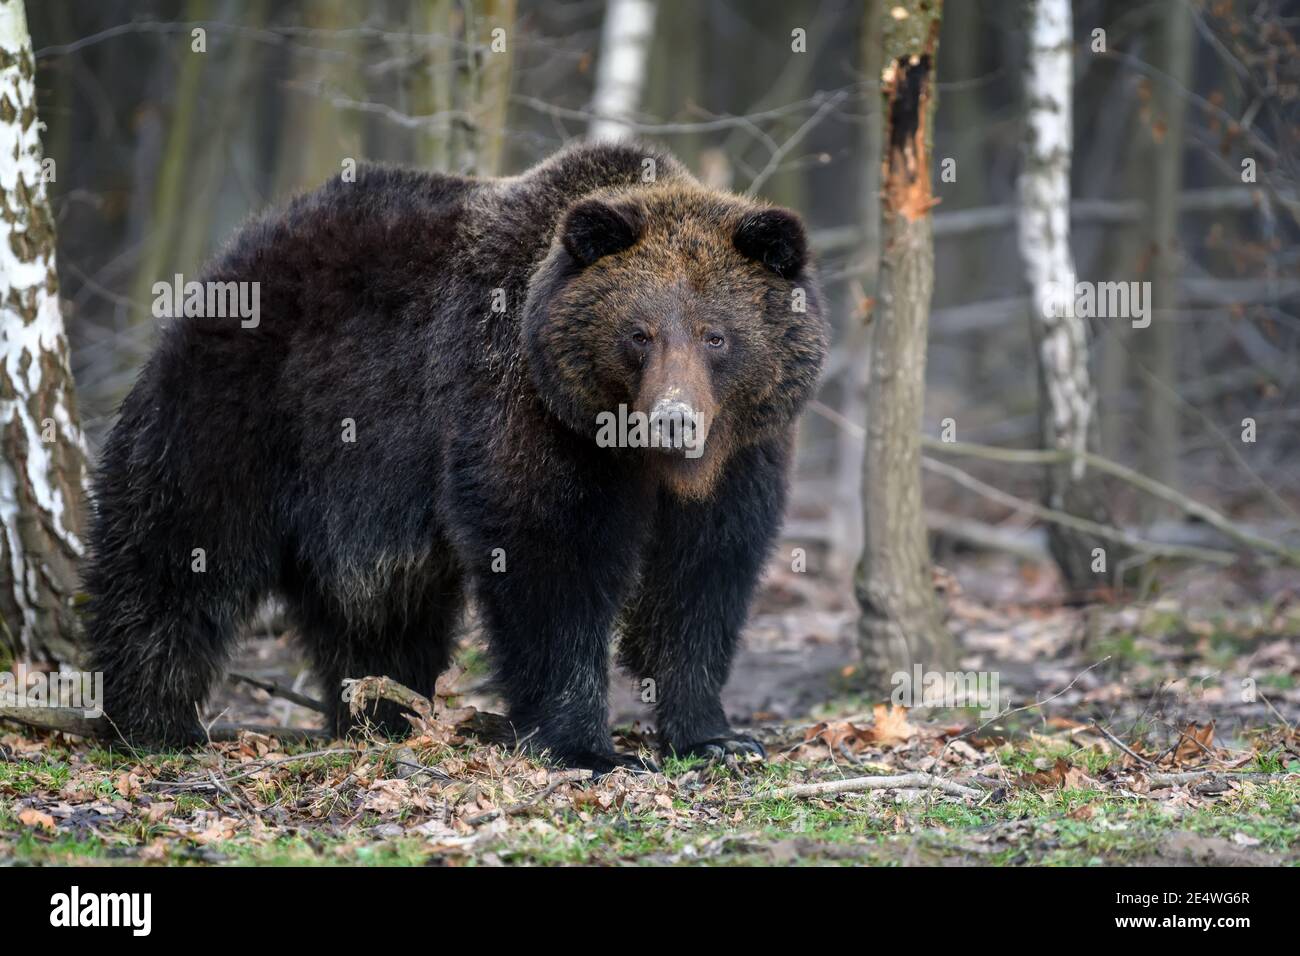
(279, 690)
(212, 782)
(223, 732)
(361, 692)
(1196, 776)
(905, 781)
(488, 727)
(68, 720)
(73, 720)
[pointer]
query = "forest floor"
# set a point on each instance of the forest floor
(1161, 731)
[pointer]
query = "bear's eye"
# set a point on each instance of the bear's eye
(640, 338)
(715, 340)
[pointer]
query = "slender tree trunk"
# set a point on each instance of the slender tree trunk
(494, 83)
(462, 140)
(901, 622)
(434, 95)
(677, 69)
(317, 134)
(167, 215)
(1122, 245)
(621, 71)
(42, 451)
(970, 145)
(1067, 404)
(846, 529)
(479, 90)
(230, 88)
(1158, 343)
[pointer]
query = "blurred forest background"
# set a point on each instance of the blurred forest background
(161, 154)
(1134, 141)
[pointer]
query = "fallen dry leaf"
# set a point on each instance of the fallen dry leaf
(890, 725)
(1196, 744)
(35, 818)
(159, 811)
(1061, 775)
(837, 733)
(127, 784)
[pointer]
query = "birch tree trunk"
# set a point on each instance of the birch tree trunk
(901, 623)
(42, 451)
(621, 72)
(1067, 401)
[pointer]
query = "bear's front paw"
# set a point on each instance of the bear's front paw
(717, 748)
(602, 762)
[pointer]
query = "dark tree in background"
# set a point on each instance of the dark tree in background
(163, 151)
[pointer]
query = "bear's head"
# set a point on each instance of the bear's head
(677, 320)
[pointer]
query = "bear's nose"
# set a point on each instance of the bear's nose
(675, 425)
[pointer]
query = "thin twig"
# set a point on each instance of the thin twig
(1015, 710)
(1195, 776)
(904, 781)
(1044, 513)
(279, 690)
(774, 161)
(1121, 745)
(1138, 480)
(217, 783)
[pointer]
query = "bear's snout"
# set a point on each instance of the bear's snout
(677, 426)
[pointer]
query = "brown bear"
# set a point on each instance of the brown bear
(569, 394)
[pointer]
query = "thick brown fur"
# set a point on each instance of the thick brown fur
(473, 331)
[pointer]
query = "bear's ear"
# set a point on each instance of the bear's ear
(774, 237)
(594, 229)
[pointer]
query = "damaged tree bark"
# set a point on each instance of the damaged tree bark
(1067, 401)
(901, 623)
(42, 451)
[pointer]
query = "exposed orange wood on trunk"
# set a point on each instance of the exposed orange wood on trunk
(906, 166)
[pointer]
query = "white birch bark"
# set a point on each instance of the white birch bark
(42, 450)
(621, 71)
(1067, 398)
(1044, 224)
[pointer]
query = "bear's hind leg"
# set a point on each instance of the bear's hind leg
(160, 637)
(405, 632)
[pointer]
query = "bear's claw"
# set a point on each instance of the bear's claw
(601, 763)
(717, 748)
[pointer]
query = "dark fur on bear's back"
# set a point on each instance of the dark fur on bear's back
(473, 433)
